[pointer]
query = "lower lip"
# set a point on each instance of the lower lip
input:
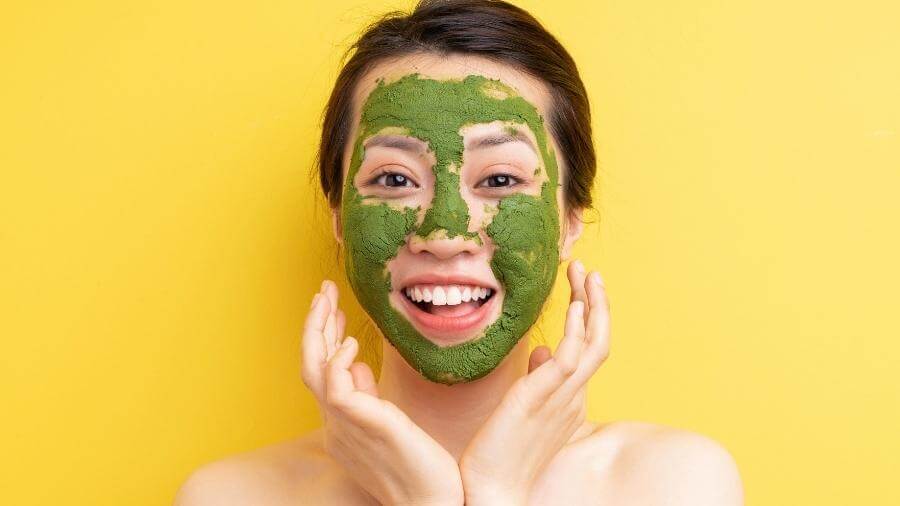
(448, 327)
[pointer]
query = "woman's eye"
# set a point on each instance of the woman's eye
(393, 180)
(499, 181)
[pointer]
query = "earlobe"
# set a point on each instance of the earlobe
(574, 227)
(336, 227)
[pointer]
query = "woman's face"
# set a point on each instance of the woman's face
(450, 212)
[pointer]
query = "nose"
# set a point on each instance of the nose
(442, 247)
(444, 229)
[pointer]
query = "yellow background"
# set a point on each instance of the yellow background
(160, 236)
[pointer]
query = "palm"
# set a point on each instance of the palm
(380, 447)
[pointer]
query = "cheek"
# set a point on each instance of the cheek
(526, 232)
(372, 235)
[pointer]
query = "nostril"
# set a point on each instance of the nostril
(438, 244)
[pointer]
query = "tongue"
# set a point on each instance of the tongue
(454, 311)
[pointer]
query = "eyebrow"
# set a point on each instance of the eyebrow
(414, 145)
(410, 144)
(492, 140)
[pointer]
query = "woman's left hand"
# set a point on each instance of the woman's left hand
(543, 409)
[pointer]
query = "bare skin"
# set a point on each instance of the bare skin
(621, 463)
(516, 436)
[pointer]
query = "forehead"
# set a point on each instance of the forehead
(456, 67)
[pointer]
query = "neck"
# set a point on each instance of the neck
(451, 414)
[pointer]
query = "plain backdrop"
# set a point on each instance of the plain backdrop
(161, 236)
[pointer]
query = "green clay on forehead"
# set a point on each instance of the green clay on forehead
(524, 228)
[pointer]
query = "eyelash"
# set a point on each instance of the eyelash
(381, 180)
(377, 180)
(513, 181)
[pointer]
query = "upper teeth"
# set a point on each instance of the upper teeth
(446, 295)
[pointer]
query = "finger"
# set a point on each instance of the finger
(341, 324)
(332, 339)
(363, 378)
(597, 328)
(313, 345)
(576, 408)
(546, 378)
(574, 388)
(566, 401)
(338, 379)
(573, 338)
(340, 390)
(538, 356)
(576, 274)
(329, 334)
(330, 289)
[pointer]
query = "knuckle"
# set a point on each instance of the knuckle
(599, 353)
(521, 399)
(578, 411)
(604, 354)
(310, 327)
(335, 402)
(331, 367)
(566, 367)
(576, 416)
(579, 418)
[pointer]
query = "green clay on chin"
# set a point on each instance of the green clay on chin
(524, 228)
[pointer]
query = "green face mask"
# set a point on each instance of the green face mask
(524, 228)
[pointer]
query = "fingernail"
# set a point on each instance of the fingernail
(579, 266)
(596, 279)
(324, 284)
(315, 299)
(346, 343)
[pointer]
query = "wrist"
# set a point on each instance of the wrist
(483, 489)
(434, 497)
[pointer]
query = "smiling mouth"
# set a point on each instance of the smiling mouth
(449, 301)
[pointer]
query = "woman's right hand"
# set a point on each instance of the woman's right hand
(387, 454)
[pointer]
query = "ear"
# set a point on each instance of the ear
(336, 226)
(574, 227)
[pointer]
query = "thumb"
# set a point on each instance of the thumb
(363, 378)
(539, 355)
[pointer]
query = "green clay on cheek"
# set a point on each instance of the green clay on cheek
(524, 228)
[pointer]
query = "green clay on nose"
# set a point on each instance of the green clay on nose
(524, 228)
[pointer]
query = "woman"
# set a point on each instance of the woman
(454, 202)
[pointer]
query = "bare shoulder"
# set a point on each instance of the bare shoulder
(655, 464)
(281, 473)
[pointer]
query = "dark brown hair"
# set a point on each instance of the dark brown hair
(491, 29)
